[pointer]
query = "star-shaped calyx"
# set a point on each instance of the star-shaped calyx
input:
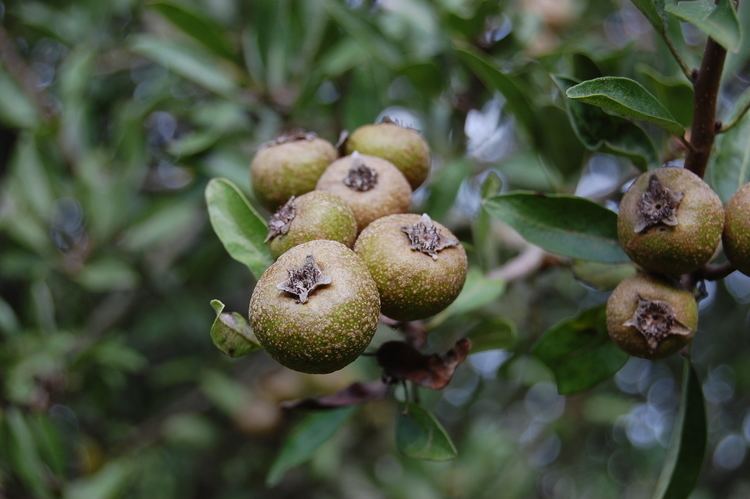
(360, 177)
(302, 281)
(281, 220)
(656, 320)
(657, 206)
(424, 236)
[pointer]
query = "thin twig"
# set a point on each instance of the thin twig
(528, 261)
(736, 118)
(716, 272)
(704, 127)
(684, 141)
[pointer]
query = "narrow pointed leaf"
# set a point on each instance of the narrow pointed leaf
(420, 436)
(654, 12)
(562, 224)
(579, 351)
(305, 438)
(716, 19)
(688, 444)
(627, 98)
(239, 227)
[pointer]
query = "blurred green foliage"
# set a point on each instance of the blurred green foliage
(115, 115)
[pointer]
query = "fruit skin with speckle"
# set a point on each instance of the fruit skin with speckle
(391, 193)
(679, 249)
(336, 323)
(404, 147)
(289, 168)
(319, 215)
(412, 284)
(737, 230)
(622, 304)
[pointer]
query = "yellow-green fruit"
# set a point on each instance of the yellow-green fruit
(404, 147)
(316, 308)
(670, 221)
(418, 265)
(289, 166)
(372, 187)
(649, 318)
(737, 230)
(315, 215)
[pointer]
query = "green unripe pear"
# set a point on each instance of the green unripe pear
(372, 187)
(289, 166)
(316, 308)
(670, 221)
(650, 318)
(737, 230)
(315, 215)
(404, 147)
(418, 265)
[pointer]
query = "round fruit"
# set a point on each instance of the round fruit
(649, 318)
(372, 187)
(315, 215)
(404, 147)
(289, 166)
(316, 308)
(737, 230)
(418, 265)
(670, 221)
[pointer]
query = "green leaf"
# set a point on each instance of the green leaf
(198, 26)
(107, 483)
(599, 131)
(188, 62)
(23, 455)
(420, 436)
(654, 12)
(477, 292)
(729, 168)
(444, 185)
(579, 352)
(15, 108)
(626, 98)
(491, 333)
(562, 224)
(687, 447)
(516, 100)
(716, 19)
(306, 437)
(602, 276)
(240, 228)
(674, 92)
(231, 333)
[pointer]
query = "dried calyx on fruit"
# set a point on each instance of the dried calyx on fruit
(650, 318)
(289, 165)
(315, 215)
(670, 221)
(339, 315)
(301, 281)
(281, 220)
(414, 282)
(424, 236)
(657, 206)
(360, 177)
(655, 320)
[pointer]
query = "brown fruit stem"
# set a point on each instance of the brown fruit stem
(706, 90)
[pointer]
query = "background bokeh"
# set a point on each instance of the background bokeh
(114, 116)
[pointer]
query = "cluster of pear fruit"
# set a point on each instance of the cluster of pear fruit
(346, 248)
(670, 224)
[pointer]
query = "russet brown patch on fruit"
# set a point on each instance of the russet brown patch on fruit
(293, 135)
